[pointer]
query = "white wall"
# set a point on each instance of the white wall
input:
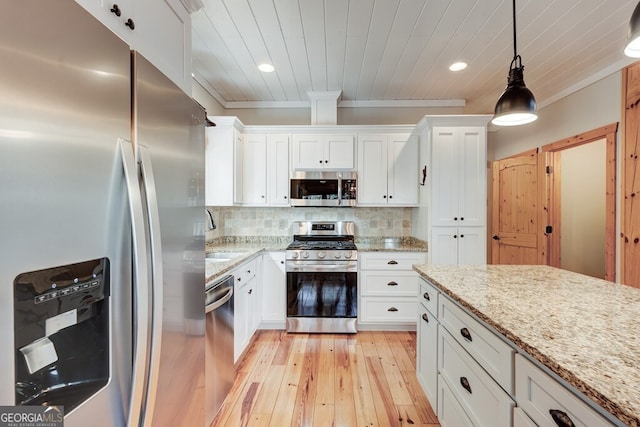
(583, 201)
(590, 108)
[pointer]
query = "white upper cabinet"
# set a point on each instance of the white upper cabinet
(387, 170)
(254, 170)
(459, 176)
(329, 152)
(278, 170)
(159, 29)
(223, 162)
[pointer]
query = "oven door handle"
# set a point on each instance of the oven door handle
(339, 189)
(297, 268)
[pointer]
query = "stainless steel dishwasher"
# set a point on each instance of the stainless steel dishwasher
(219, 369)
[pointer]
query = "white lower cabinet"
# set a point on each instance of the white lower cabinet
(427, 343)
(450, 413)
(548, 403)
(387, 287)
(520, 419)
(274, 290)
(247, 304)
(484, 402)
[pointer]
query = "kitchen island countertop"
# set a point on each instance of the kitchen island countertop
(583, 329)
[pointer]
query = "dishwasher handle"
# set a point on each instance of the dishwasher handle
(218, 294)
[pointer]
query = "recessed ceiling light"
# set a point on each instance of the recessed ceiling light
(266, 68)
(458, 66)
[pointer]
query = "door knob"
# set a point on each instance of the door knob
(496, 237)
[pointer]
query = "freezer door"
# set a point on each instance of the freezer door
(65, 85)
(169, 140)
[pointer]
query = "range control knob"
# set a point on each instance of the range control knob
(305, 254)
(347, 254)
(322, 254)
(337, 255)
(295, 255)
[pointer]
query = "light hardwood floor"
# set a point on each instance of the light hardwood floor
(366, 379)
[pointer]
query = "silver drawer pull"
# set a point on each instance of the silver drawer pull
(426, 296)
(561, 418)
(466, 334)
(464, 382)
(392, 284)
(392, 309)
(425, 317)
(392, 262)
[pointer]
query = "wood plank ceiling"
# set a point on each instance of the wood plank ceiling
(397, 52)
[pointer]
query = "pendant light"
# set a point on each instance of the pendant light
(516, 105)
(633, 35)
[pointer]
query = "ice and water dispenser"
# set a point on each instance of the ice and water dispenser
(61, 333)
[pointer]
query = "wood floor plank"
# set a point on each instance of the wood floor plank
(307, 388)
(327, 369)
(285, 402)
(363, 399)
(396, 382)
(364, 380)
(385, 407)
(345, 412)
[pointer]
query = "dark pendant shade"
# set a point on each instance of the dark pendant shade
(516, 105)
(633, 35)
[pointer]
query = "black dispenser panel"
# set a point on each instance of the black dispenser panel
(61, 333)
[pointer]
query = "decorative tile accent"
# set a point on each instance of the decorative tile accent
(244, 221)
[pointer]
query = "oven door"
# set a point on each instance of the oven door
(322, 297)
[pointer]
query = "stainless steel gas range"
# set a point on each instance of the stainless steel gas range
(322, 278)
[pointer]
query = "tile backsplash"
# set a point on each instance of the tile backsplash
(245, 221)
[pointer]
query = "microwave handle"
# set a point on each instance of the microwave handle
(339, 189)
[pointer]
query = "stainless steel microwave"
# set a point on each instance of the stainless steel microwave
(309, 188)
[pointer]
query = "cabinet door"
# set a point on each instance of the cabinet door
(165, 38)
(254, 166)
(240, 315)
(402, 175)
(102, 11)
(443, 248)
(274, 288)
(339, 152)
(220, 166)
(279, 170)
(372, 170)
(427, 355)
(445, 176)
(308, 152)
(472, 245)
(472, 171)
(237, 165)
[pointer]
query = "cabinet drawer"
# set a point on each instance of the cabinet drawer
(390, 260)
(450, 413)
(521, 419)
(428, 297)
(388, 283)
(388, 310)
(538, 394)
(245, 272)
(495, 355)
(482, 398)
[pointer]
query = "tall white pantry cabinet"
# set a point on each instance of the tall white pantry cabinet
(456, 187)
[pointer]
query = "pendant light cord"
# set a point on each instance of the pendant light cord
(515, 49)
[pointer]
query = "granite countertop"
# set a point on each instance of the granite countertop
(245, 247)
(390, 244)
(583, 329)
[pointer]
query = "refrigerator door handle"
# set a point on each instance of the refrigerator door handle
(140, 284)
(153, 215)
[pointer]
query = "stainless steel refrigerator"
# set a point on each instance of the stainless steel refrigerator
(101, 225)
